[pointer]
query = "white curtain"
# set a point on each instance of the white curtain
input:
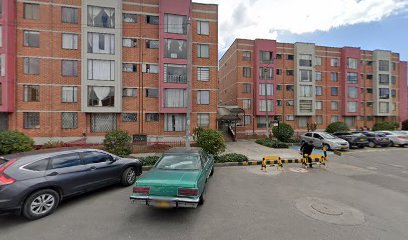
(175, 122)
(203, 74)
(175, 98)
(101, 70)
(203, 97)
(306, 91)
(263, 104)
(101, 43)
(352, 107)
(203, 27)
(352, 92)
(174, 23)
(101, 93)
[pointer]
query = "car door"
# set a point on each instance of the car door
(204, 172)
(67, 172)
(317, 140)
(101, 168)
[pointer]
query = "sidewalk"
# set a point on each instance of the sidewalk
(256, 151)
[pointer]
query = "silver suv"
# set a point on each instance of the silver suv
(321, 139)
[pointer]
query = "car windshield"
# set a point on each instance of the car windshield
(327, 136)
(380, 135)
(179, 162)
(402, 133)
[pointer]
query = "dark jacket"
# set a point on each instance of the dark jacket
(307, 148)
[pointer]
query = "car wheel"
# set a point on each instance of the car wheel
(361, 146)
(212, 171)
(371, 144)
(391, 144)
(40, 204)
(128, 176)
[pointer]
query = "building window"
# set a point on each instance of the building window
(306, 91)
(31, 11)
(152, 117)
(203, 74)
(32, 66)
(265, 89)
(383, 65)
(305, 60)
(290, 88)
(152, 20)
(246, 104)
(305, 106)
(266, 73)
(153, 44)
(302, 122)
(318, 61)
(31, 93)
(246, 56)
(101, 70)
(290, 57)
(175, 24)
(290, 103)
(69, 41)
(103, 122)
(265, 105)
(69, 120)
(203, 27)
(319, 119)
(129, 67)
(129, 18)
(129, 117)
(203, 120)
(369, 77)
(394, 66)
(278, 71)
(101, 17)
(247, 119)
(334, 106)
(176, 49)
(101, 43)
(246, 72)
(334, 91)
(393, 80)
(175, 73)
(32, 39)
(129, 92)
(150, 68)
(261, 122)
(1, 7)
(31, 120)
(352, 92)
(352, 63)
(2, 65)
(319, 105)
(279, 103)
(384, 107)
(334, 76)
(152, 92)
(175, 98)
(352, 78)
(335, 62)
(370, 104)
(318, 76)
(174, 122)
(384, 93)
(334, 118)
(278, 56)
(279, 87)
(393, 93)
(352, 107)
(384, 79)
(266, 57)
(69, 94)
(129, 42)
(306, 76)
(319, 90)
(203, 97)
(290, 118)
(69, 15)
(369, 90)
(289, 73)
(99, 96)
(203, 51)
(246, 88)
(69, 68)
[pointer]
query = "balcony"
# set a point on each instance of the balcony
(180, 79)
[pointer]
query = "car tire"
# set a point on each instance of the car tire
(40, 204)
(371, 145)
(128, 176)
(361, 146)
(212, 171)
(391, 144)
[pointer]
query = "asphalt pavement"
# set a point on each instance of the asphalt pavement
(360, 195)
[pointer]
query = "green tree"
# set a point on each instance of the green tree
(211, 141)
(118, 142)
(283, 132)
(384, 126)
(405, 125)
(337, 127)
(14, 142)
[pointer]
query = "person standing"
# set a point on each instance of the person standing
(307, 148)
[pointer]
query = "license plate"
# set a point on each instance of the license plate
(162, 204)
(362, 139)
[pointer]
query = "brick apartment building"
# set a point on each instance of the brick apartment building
(74, 68)
(303, 83)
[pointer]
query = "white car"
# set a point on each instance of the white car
(397, 138)
(328, 140)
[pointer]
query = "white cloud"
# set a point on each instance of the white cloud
(266, 18)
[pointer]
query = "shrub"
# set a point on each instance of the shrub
(149, 160)
(337, 127)
(14, 142)
(294, 140)
(283, 132)
(384, 126)
(53, 144)
(211, 141)
(118, 142)
(405, 125)
(196, 132)
(272, 143)
(231, 157)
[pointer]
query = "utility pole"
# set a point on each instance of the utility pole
(189, 79)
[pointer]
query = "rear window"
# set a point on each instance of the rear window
(179, 162)
(38, 166)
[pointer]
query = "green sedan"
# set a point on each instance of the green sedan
(178, 179)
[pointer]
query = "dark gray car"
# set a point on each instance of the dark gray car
(34, 183)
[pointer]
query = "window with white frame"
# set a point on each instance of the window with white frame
(69, 15)
(302, 121)
(352, 78)
(266, 73)
(334, 106)
(31, 93)
(175, 24)
(175, 73)
(129, 92)
(129, 17)
(69, 68)
(103, 43)
(203, 27)
(129, 67)
(290, 102)
(246, 56)
(334, 118)
(152, 92)
(305, 60)
(352, 107)
(129, 117)
(352, 92)
(384, 93)
(101, 17)
(246, 104)
(203, 97)
(350, 121)
(352, 63)
(174, 122)
(151, 19)
(266, 57)
(101, 96)
(393, 107)
(246, 72)
(247, 119)
(1, 36)
(319, 119)
(175, 49)
(150, 68)
(318, 61)
(69, 120)
(154, 44)
(265, 89)
(265, 105)
(246, 88)
(334, 76)
(31, 120)
(152, 117)
(2, 65)
(203, 74)
(175, 98)
(319, 105)
(383, 65)
(335, 62)
(203, 51)
(129, 42)
(384, 107)
(290, 118)
(32, 66)
(101, 70)
(69, 41)
(384, 79)
(103, 122)
(69, 94)
(305, 75)
(305, 106)
(31, 11)
(318, 76)
(203, 120)
(334, 91)
(319, 90)
(306, 91)
(32, 39)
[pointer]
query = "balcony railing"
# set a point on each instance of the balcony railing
(176, 79)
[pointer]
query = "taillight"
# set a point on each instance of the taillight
(377, 139)
(402, 137)
(141, 190)
(188, 192)
(4, 178)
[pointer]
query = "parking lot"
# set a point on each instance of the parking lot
(364, 195)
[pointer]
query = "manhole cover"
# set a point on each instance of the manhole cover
(330, 211)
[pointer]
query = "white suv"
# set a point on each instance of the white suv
(396, 138)
(321, 139)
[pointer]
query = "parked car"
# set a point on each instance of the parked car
(354, 139)
(396, 138)
(34, 183)
(328, 140)
(376, 139)
(178, 179)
